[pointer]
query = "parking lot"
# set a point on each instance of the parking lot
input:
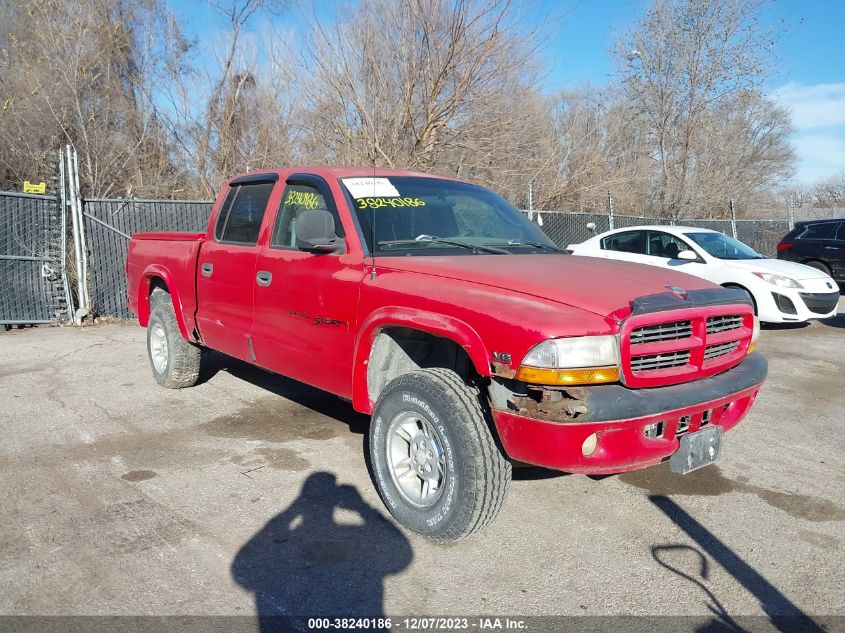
(251, 491)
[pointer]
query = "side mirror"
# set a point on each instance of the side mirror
(688, 255)
(315, 231)
(591, 226)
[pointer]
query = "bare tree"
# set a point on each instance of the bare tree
(83, 73)
(830, 192)
(688, 63)
(448, 86)
(230, 115)
(442, 85)
(599, 146)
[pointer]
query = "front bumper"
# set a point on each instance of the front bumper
(800, 305)
(619, 417)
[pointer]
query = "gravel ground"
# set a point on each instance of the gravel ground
(251, 491)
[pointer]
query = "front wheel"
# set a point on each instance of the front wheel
(435, 461)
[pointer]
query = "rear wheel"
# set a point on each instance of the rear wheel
(175, 362)
(435, 461)
(819, 266)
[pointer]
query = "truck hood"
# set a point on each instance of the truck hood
(799, 272)
(601, 286)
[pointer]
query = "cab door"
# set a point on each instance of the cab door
(306, 302)
(226, 267)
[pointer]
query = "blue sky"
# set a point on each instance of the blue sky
(809, 77)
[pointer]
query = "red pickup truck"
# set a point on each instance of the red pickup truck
(472, 340)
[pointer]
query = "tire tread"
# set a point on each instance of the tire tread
(185, 358)
(487, 495)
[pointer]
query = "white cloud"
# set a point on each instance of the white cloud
(818, 114)
(815, 105)
(820, 156)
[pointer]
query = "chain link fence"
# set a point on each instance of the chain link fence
(574, 228)
(110, 223)
(32, 264)
(32, 284)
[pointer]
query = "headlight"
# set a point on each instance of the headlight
(755, 334)
(572, 361)
(779, 280)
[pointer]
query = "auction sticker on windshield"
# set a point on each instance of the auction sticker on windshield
(370, 187)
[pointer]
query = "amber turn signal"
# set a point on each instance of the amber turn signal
(587, 376)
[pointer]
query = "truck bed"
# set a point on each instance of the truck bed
(172, 256)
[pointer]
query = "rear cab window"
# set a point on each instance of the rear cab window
(241, 214)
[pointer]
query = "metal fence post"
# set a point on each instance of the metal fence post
(733, 219)
(791, 211)
(71, 172)
(77, 239)
(63, 202)
(530, 200)
(610, 210)
(84, 240)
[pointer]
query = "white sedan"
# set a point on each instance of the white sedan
(782, 291)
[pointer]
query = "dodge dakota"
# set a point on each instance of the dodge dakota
(473, 342)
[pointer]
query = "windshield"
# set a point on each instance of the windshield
(419, 216)
(723, 247)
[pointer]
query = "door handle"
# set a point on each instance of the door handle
(831, 248)
(264, 278)
(207, 269)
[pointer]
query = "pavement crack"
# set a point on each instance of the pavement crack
(251, 470)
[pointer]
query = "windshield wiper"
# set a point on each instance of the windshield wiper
(441, 240)
(535, 245)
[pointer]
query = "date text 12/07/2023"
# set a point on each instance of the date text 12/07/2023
(421, 623)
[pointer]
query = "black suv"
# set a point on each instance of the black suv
(817, 243)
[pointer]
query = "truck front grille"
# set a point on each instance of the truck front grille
(663, 348)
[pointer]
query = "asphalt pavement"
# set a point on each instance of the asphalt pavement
(250, 492)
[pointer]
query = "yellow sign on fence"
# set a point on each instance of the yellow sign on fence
(34, 187)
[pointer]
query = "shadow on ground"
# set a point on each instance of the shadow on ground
(315, 399)
(783, 614)
(838, 321)
(784, 326)
(325, 555)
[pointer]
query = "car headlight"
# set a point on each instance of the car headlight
(779, 280)
(580, 360)
(755, 334)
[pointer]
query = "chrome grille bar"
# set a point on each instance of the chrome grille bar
(716, 324)
(672, 330)
(652, 362)
(714, 351)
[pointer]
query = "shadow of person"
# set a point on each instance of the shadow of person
(313, 561)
